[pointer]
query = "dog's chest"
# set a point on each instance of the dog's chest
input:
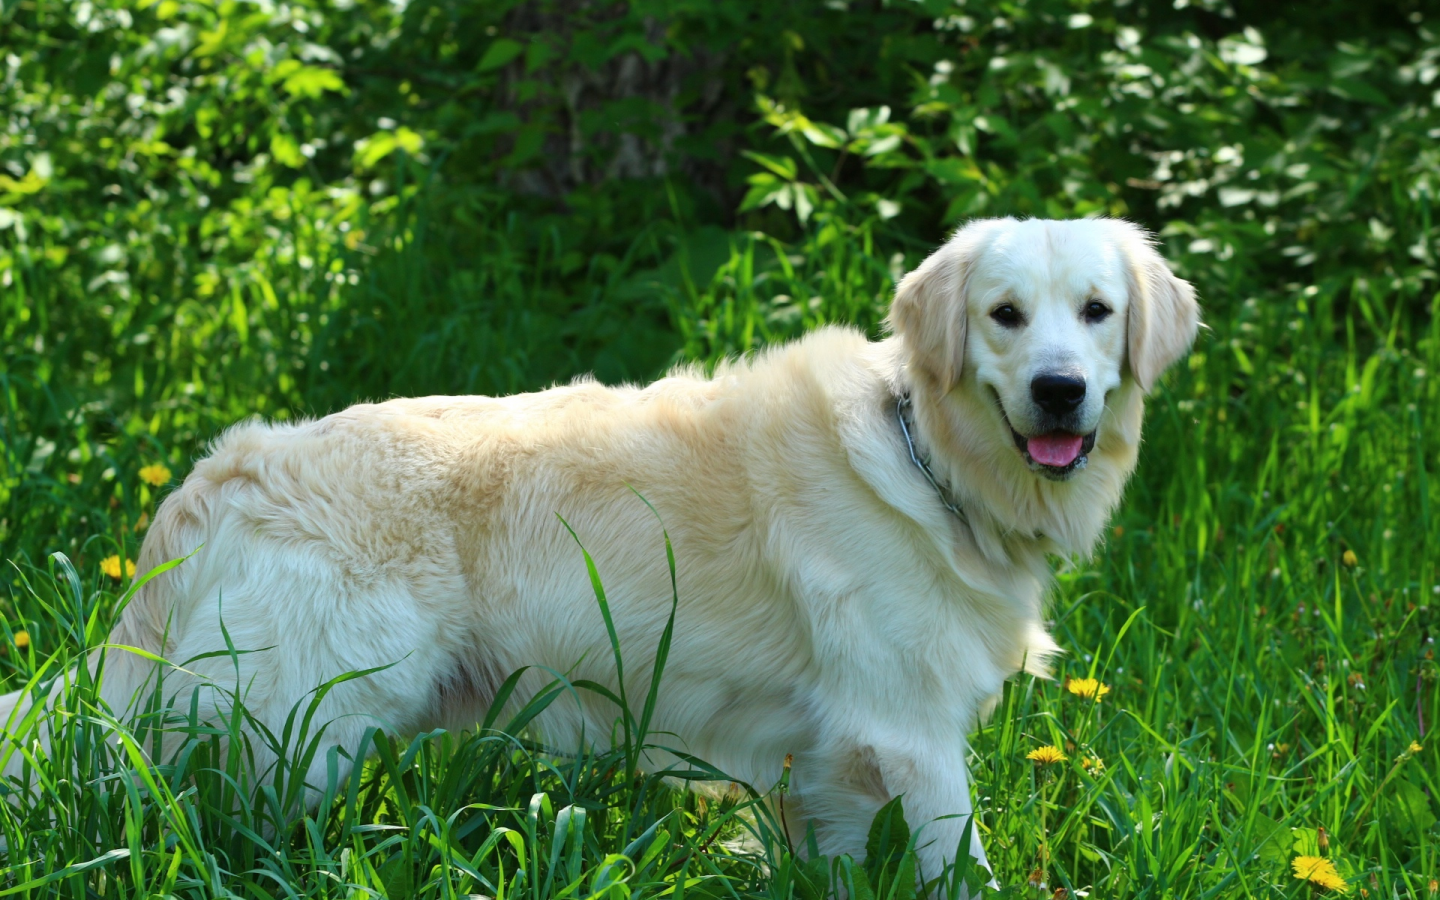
(899, 625)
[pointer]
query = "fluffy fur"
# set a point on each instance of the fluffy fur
(830, 606)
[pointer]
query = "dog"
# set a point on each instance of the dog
(860, 529)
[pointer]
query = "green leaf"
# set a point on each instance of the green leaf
(286, 151)
(500, 52)
(812, 879)
(1410, 807)
(783, 166)
(397, 877)
(1305, 842)
(313, 81)
(1274, 849)
(529, 139)
(70, 871)
(883, 145)
(857, 882)
(805, 199)
(889, 836)
(952, 170)
(371, 150)
(823, 134)
(764, 192)
(864, 119)
(409, 141)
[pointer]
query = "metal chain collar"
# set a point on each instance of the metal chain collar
(901, 405)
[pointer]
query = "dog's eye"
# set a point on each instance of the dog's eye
(1095, 311)
(1006, 315)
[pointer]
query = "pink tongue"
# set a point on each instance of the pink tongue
(1058, 449)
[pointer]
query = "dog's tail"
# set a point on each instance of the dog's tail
(144, 624)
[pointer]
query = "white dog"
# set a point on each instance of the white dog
(860, 530)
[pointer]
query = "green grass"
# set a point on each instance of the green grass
(1263, 687)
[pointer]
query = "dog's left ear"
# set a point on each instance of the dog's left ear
(928, 312)
(1163, 317)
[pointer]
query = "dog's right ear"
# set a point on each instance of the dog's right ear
(929, 312)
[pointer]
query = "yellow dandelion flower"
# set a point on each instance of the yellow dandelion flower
(22, 639)
(1093, 764)
(1319, 871)
(155, 475)
(1089, 688)
(1350, 559)
(1414, 747)
(1047, 755)
(110, 565)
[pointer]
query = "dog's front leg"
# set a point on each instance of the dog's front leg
(932, 779)
(842, 787)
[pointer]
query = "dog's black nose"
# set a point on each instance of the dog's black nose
(1057, 393)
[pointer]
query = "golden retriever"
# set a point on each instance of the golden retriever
(861, 531)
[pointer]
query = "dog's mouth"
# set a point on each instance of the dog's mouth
(1055, 454)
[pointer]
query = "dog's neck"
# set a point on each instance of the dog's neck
(1011, 510)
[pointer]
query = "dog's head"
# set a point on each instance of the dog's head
(1046, 319)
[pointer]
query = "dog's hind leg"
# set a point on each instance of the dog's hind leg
(285, 635)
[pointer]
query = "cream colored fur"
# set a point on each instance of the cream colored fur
(830, 606)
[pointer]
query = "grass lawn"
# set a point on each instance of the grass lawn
(1262, 614)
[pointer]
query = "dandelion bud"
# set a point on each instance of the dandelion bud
(1322, 839)
(1350, 559)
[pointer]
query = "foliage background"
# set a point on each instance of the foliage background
(212, 210)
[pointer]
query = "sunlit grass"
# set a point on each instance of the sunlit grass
(1250, 656)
